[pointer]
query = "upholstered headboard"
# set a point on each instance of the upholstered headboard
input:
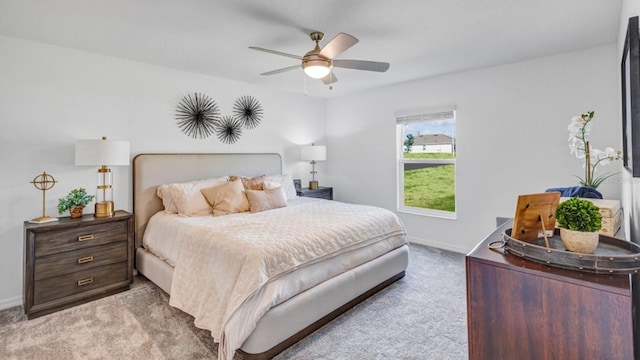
(151, 170)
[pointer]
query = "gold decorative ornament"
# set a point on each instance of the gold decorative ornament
(43, 182)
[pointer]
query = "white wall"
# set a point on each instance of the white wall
(511, 130)
(630, 185)
(50, 97)
(511, 138)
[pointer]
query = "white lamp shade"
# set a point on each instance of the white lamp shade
(313, 152)
(102, 152)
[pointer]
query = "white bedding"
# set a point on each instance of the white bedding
(230, 270)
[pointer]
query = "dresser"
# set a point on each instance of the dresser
(518, 309)
(73, 261)
(322, 192)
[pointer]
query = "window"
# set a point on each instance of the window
(426, 144)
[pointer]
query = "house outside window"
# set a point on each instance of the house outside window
(426, 147)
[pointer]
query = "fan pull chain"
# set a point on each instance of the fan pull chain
(305, 84)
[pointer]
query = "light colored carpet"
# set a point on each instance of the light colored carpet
(422, 316)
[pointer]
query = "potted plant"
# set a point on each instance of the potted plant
(579, 221)
(75, 202)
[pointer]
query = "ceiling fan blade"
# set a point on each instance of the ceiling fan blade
(278, 71)
(329, 79)
(361, 65)
(338, 45)
(276, 52)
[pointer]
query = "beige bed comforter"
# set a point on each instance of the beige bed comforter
(223, 266)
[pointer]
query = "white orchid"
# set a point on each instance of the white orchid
(579, 128)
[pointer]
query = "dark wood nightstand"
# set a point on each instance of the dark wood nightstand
(323, 192)
(73, 261)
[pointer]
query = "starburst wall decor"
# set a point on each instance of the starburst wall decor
(199, 117)
(248, 110)
(229, 129)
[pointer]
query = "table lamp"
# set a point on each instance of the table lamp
(313, 153)
(103, 153)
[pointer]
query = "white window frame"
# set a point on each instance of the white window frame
(421, 116)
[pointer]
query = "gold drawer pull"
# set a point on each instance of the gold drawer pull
(85, 281)
(85, 237)
(85, 259)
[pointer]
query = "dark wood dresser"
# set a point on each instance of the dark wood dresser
(518, 309)
(322, 192)
(72, 261)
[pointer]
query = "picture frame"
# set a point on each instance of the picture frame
(630, 76)
(535, 216)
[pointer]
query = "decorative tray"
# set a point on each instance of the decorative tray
(613, 256)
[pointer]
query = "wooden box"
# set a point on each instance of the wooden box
(611, 214)
(611, 225)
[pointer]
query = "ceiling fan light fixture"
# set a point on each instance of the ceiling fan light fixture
(316, 69)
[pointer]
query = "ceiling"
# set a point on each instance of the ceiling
(419, 38)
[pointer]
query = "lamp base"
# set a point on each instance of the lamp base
(313, 185)
(104, 209)
(43, 219)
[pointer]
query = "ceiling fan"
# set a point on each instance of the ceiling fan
(318, 63)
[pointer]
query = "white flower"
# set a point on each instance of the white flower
(579, 128)
(576, 146)
(574, 127)
(596, 156)
(611, 153)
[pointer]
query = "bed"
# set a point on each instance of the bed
(262, 327)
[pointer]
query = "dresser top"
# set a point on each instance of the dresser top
(67, 221)
(500, 258)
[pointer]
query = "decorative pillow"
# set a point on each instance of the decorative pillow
(167, 200)
(254, 183)
(228, 198)
(286, 181)
(187, 192)
(266, 199)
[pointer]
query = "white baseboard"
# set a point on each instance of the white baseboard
(439, 245)
(10, 302)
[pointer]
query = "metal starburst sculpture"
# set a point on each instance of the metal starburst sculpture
(229, 129)
(197, 116)
(248, 110)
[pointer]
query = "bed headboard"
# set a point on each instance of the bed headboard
(151, 170)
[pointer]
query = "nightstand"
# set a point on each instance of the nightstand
(323, 192)
(73, 261)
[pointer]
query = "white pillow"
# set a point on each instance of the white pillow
(286, 181)
(187, 192)
(268, 185)
(266, 199)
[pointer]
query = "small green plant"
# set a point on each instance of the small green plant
(578, 215)
(76, 197)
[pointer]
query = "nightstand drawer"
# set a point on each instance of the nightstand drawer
(72, 261)
(56, 241)
(77, 282)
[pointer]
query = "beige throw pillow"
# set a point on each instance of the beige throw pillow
(164, 192)
(227, 199)
(254, 183)
(266, 199)
(187, 198)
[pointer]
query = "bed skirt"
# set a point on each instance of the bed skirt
(308, 310)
